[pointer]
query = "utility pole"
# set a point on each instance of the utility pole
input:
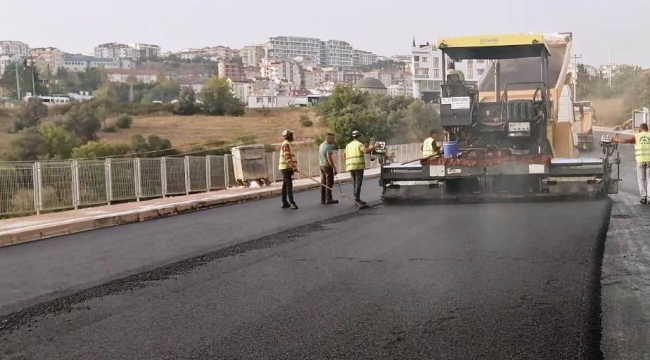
(31, 60)
(575, 79)
(17, 79)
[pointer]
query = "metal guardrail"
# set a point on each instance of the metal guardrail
(46, 186)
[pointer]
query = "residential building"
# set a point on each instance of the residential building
(337, 53)
(319, 76)
(253, 55)
(230, 69)
(147, 51)
(385, 76)
(282, 71)
(426, 68)
(306, 63)
(289, 47)
(402, 85)
(79, 63)
(11, 48)
(270, 101)
(192, 83)
(308, 80)
(363, 58)
(116, 51)
(249, 72)
(48, 59)
(7, 60)
(140, 75)
(241, 89)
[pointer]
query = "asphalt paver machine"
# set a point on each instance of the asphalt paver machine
(505, 136)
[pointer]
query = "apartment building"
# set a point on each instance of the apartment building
(289, 47)
(47, 60)
(250, 72)
(11, 48)
(141, 75)
(253, 55)
(116, 51)
(6, 60)
(230, 70)
(282, 72)
(337, 53)
(363, 58)
(385, 76)
(147, 51)
(426, 69)
(80, 63)
(308, 79)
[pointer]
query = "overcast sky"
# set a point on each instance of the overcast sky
(385, 27)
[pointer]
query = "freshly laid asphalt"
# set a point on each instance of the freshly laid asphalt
(482, 281)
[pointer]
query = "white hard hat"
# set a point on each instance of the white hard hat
(356, 133)
(286, 133)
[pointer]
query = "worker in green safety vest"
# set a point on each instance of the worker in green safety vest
(355, 163)
(430, 147)
(287, 167)
(641, 141)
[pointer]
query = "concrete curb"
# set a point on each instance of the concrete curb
(67, 227)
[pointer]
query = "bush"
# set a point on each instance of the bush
(305, 121)
(124, 121)
(110, 129)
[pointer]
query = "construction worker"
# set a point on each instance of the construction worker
(287, 167)
(355, 163)
(641, 141)
(327, 170)
(430, 147)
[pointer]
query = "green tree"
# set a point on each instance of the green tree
(98, 149)
(30, 114)
(83, 122)
(8, 80)
(27, 146)
(218, 98)
(186, 103)
(421, 118)
(152, 146)
(58, 141)
(109, 92)
(92, 79)
(164, 91)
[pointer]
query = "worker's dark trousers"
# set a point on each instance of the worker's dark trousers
(357, 181)
(287, 187)
(327, 179)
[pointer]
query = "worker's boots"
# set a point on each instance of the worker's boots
(644, 200)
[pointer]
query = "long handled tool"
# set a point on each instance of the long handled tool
(360, 205)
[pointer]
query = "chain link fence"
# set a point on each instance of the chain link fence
(33, 188)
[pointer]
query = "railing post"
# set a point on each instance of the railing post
(274, 162)
(299, 163)
(339, 159)
(309, 162)
(187, 175)
(109, 181)
(163, 176)
(75, 184)
(136, 180)
(226, 171)
(36, 187)
(208, 173)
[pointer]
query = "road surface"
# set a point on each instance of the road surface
(507, 281)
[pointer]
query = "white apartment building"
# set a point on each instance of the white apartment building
(308, 79)
(140, 75)
(289, 47)
(337, 53)
(147, 51)
(7, 60)
(48, 59)
(116, 51)
(253, 55)
(282, 71)
(363, 58)
(10, 48)
(241, 89)
(80, 63)
(426, 68)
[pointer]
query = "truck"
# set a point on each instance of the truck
(509, 136)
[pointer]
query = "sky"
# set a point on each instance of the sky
(616, 29)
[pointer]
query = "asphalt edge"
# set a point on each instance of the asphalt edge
(83, 225)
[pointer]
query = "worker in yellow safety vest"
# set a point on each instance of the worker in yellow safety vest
(641, 141)
(287, 167)
(430, 147)
(355, 163)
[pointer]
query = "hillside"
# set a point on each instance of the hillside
(186, 132)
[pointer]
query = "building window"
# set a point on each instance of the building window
(470, 74)
(480, 61)
(436, 62)
(259, 100)
(416, 58)
(436, 73)
(479, 72)
(424, 59)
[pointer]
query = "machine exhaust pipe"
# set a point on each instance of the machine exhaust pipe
(497, 80)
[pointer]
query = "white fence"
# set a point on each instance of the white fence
(45, 186)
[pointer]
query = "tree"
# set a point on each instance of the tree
(98, 149)
(186, 103)
(153, 146)
(27, 146)
(164, 91)
(29, 114)
(8, 80)
(421, 118)
(92, 79)
(58, 141)
(218, 98)
(131, 81)
(83, 122)
(109, 92)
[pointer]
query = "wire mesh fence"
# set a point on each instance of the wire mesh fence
(29, 188)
